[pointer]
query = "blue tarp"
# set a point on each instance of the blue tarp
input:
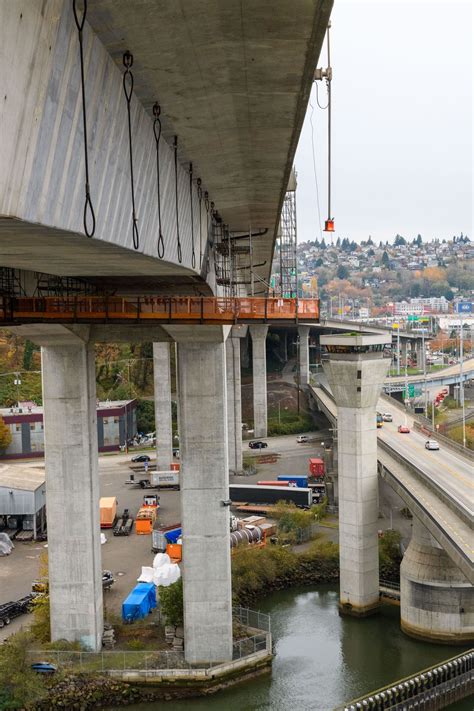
(172, 536)
(140, 602)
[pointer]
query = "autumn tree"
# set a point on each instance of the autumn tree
(5, 435)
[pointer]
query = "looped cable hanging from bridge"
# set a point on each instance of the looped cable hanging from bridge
(128, 91)
(193, 255)
(80, 22)
(175, 147)
(206, 204)
(157, 133)
(199, 192)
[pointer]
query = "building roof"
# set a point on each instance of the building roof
(17, 476)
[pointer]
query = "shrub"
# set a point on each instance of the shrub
(19, 684)
(171, 600)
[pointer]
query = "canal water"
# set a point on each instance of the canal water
(323, 660)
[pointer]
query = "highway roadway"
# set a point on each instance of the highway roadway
(448, 372)
(451, 471)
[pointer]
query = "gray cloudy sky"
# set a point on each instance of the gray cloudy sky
(402, 122)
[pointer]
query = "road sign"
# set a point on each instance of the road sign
(464, 307)
(412, 317)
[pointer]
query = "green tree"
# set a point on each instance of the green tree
(5, 435)
(419, 240)
(342, 272)
(385, 259)
(399, 241)
(146, 416)
(171, 600)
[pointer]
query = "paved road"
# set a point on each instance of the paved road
(468, 367)
(451, 471)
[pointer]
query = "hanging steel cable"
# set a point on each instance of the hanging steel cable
(206, 204)
(80, 22)
(199, 192)
(160, 247)
(175, 146)
(128, 91)
(193, 255)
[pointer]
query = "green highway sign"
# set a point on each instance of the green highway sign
(412, 318)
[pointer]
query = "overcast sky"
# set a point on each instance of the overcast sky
(402, 122)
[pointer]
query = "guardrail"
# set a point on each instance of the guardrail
(176, 309)
(433, 688)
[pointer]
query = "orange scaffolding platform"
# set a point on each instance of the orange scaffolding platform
(157, 309)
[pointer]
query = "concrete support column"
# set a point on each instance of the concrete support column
(204, 489)
(356, 371)
(420, 355)
(404, 351)
(234, 404)
(163, 418)
(303, 335)
(72, 493)
(436, 600)
(259, 367)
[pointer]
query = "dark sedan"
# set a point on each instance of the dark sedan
(257, 444)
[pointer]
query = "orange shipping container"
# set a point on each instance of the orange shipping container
(108, 511)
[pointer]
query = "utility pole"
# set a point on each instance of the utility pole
(461, 380)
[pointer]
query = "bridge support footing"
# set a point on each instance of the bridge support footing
(436, 600)
(163, 416)
(346, 609)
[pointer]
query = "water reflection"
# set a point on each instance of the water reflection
(322, 660)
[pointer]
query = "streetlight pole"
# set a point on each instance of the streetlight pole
(461, 380)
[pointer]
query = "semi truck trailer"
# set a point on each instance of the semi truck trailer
(271, 494)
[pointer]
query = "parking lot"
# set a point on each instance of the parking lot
(124, 556)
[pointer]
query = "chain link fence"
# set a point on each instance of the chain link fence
(256, 637)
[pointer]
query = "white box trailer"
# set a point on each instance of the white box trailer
(156, 480)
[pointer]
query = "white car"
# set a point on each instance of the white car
(431, 444)
(302, 438)
(387, 417)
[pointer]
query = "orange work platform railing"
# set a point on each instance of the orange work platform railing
(158, 309)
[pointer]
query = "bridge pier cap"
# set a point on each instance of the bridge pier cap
(356, 369)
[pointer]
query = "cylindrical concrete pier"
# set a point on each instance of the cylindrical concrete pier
(356, 370)
(436, 600)
(234, 404)
(163, 419)
(259, 368)
(72, 492)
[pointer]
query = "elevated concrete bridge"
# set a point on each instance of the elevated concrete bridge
(438, 488)
(231, 83)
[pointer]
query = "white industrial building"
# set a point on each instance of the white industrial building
(22, 499)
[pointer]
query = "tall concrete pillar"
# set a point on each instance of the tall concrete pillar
(234, 398)
(356, 370)
(163, 418)
(259, 367)
(204, 492)
(404, 351)
(72, 492)
(303, 335)
(420, 354)
(436, 600)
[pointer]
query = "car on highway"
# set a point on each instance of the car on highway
(257, 444)
(387, 417)
(141, 458)
(302, 438)
(403, 429)
(176, 452)
(431, 444)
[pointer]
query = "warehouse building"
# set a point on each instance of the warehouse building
(22, 500)
(116, 424)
